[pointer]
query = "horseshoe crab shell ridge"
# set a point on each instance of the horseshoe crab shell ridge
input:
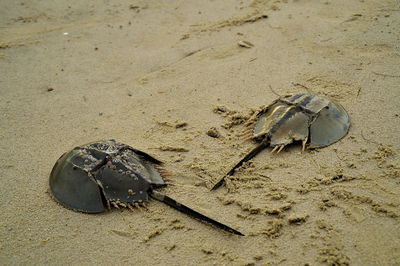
(97, 176)
(313, 119)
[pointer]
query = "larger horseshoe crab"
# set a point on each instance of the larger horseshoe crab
(97, 176)
(313, 119)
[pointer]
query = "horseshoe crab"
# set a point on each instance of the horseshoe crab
(97, 176)
(313, 119)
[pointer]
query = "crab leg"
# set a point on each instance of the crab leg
(114, 204)
(280, 148)
(303, 148)
(182, 208)
(274, 149)
(246, 158)
(130, 207)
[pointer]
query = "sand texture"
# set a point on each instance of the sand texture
(178, 80)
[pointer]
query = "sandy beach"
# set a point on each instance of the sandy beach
(178, 80)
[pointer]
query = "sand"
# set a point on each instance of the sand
(151, 74)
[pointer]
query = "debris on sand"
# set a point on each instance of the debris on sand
(172, 148)
(297, 219)
(213, 132)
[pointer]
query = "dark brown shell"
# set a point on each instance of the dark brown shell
(311, 118)
(91, 177)
(97, 176)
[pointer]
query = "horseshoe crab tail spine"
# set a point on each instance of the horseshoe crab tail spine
(192, 213)
(246, 158)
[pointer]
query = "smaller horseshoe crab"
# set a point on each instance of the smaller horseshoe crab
(313, 119)
(97, 176)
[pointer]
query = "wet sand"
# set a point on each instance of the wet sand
(152, 74)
